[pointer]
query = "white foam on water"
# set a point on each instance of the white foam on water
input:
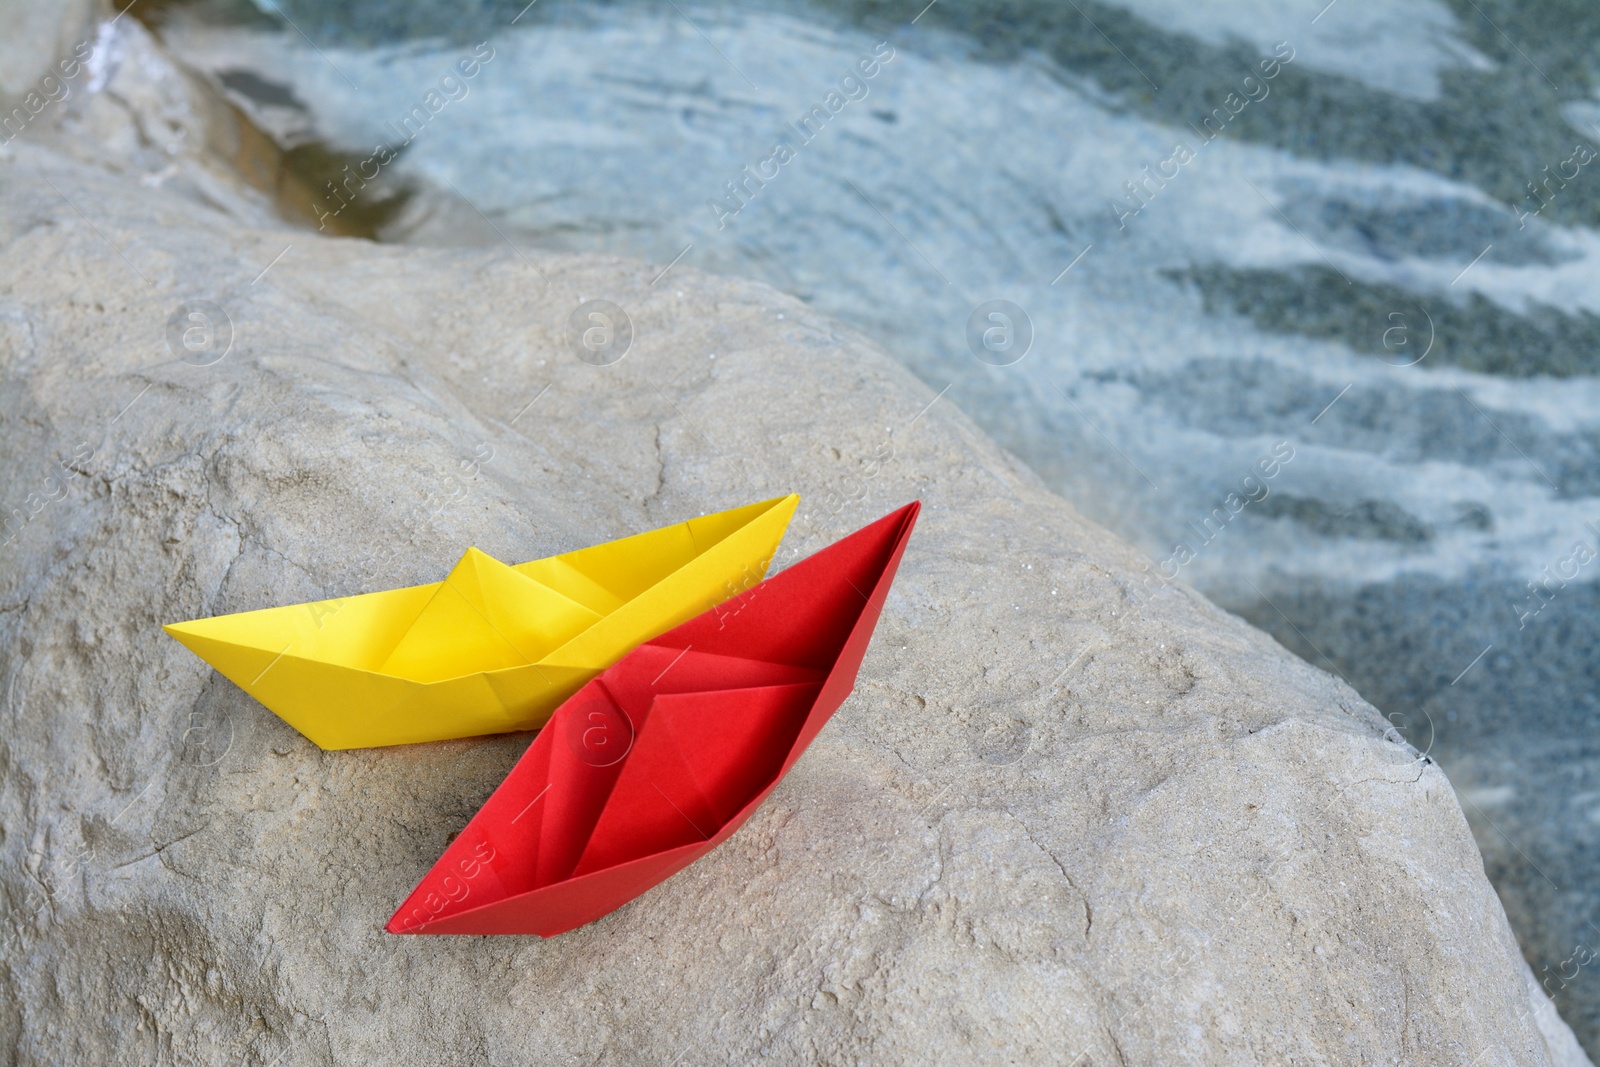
(1398, 47)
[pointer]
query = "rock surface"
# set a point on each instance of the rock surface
(39, 35)
(1372, 202)
(1066, 817)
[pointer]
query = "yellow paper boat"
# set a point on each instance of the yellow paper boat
(492, 648)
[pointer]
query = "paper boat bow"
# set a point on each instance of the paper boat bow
(662, 757)
(492, 648)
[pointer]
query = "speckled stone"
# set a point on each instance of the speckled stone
(1067, 816)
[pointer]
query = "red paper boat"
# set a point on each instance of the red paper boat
(662, 757)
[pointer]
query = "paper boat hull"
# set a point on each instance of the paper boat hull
(713, 714)
(322, 667)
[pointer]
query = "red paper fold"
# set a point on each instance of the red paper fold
(663, 756)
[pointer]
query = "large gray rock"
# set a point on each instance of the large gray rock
(40, 36)
(1068, 816)
(1354, 216)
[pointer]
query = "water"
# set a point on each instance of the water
(1331, 356)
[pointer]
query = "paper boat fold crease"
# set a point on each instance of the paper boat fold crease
(665, 754)
(493, 648)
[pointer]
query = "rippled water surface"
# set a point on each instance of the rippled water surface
(1301, 298)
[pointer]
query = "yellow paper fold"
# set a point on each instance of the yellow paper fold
(492, 648)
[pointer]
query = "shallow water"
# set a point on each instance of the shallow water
(1301, 326)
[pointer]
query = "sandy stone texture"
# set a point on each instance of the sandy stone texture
(1068, 816)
